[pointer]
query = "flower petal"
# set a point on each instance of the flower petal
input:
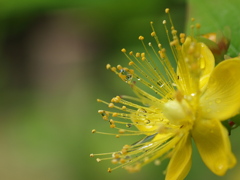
(206, 60)
(180, 162)
(213, 145)
(221, 100)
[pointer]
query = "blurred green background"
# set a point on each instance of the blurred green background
(52, 69)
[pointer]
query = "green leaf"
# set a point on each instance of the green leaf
(215, 16)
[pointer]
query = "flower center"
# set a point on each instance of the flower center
(177, 112)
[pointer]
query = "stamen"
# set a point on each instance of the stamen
(94, 130)
(108, 66)
(91, 155)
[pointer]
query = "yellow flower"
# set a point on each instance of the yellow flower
(187, 103)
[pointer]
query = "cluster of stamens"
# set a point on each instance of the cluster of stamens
(148, 118)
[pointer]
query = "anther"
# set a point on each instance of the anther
(99, 100)
(182, 35)
(164, 22)
(121, 131)
(110, 105)
(182, 40)
(94, 130)
(130, 63)
(108, 66)
(114, 161)
(162, 53)
(124, 107)
(101, 111)
(130, 53)
(115, 99)
(124, 151)
(116, 155)
(111, 121)
(141, 38)
(174, 32)
(119, 67)
(118, 98)
(126, 146)
(167, 10)
(123, 50)
(138, 54)
(105, 118)
(173, 43)
(114, 114)
(113, 69)
(98, 160)
(122, 161)
(109, 170)
(117, 136)
(112, 125)
(153, 34)
(91, 155)
(142, 54)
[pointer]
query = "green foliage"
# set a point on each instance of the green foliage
(214, 16)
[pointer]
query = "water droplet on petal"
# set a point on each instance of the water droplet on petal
(219, 165)
(193, 94)
(157, 162)
(203, 64)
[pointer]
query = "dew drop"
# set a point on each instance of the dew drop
(173, 84)
(157, 162)
(164, 172)
(219, 165)
(193, 94)
(203, 64)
